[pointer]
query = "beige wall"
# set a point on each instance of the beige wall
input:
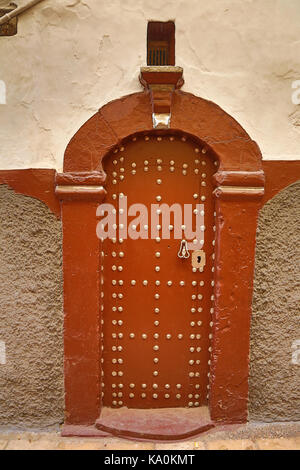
(70, 57)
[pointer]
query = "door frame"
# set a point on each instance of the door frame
(239, 187)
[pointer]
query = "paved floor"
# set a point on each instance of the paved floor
(254, 436)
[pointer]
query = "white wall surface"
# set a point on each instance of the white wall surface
(70, 57)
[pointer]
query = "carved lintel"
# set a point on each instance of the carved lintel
(88, 186)
(239, 178)
(161, 82)
(238, 192)
(89, 178)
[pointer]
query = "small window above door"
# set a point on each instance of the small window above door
(161, 43)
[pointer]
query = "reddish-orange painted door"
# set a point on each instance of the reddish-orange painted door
(157, 309)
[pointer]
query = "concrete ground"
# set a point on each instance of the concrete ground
(254, 436)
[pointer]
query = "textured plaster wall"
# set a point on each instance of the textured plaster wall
(31, 317)
(274, 378)
(70, 57)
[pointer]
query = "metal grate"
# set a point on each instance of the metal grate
(158, 53)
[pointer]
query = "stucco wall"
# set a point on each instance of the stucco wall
(70, 57)
(31, 317)
(275, 370)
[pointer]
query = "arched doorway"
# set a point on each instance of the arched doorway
(157, 307)
(239, 186)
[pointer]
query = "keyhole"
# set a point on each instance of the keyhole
(198, 259)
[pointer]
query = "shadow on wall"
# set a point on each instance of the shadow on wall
(31, 313)
(274, 367)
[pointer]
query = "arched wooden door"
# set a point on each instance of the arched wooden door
(156, 308)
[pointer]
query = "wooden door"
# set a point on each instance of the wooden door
(157, 309)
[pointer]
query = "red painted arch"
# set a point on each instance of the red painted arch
(239, 184)
(190, 114)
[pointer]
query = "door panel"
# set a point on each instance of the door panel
(156, 308)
